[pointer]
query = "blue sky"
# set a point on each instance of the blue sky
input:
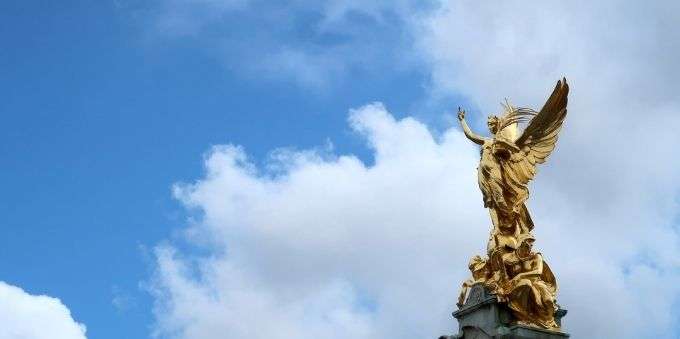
(109, 104)
(100, 120)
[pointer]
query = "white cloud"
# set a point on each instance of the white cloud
(330, 246)
(612, 190)
(35, 316)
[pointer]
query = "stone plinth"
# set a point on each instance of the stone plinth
(483, 317)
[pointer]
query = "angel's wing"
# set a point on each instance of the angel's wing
(539, 137)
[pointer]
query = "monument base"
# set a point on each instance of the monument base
(484, 317)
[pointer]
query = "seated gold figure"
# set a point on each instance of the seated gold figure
(528, 285)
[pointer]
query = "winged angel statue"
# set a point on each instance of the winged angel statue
(518, 276)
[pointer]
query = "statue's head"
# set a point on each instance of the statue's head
(478, 268)
(476, 262)
(493, 122)
(526, 243)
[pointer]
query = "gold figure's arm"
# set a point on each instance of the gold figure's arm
(466, 129)
(536, 272)
(464, 292)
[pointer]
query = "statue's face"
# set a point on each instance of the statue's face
(492, 122)
(474, 262)
(525, 248)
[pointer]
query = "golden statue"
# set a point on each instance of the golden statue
(515, 274)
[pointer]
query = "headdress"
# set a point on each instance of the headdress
(514, 115)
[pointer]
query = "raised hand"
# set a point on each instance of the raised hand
(461, 114)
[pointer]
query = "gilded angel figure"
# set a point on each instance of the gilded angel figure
(508, 162)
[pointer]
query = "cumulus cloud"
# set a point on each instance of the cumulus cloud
(328, 245)
(35, 316)
(612, 191)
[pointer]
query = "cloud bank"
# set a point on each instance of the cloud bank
(327, 246)
(35, 316)
(612, 191)
(318, 244)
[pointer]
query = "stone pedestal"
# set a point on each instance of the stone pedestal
(484, 317)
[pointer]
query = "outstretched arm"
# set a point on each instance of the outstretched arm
(466, 129)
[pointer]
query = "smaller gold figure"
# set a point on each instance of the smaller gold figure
(527, 284)
(480, 273)
(515, 274)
